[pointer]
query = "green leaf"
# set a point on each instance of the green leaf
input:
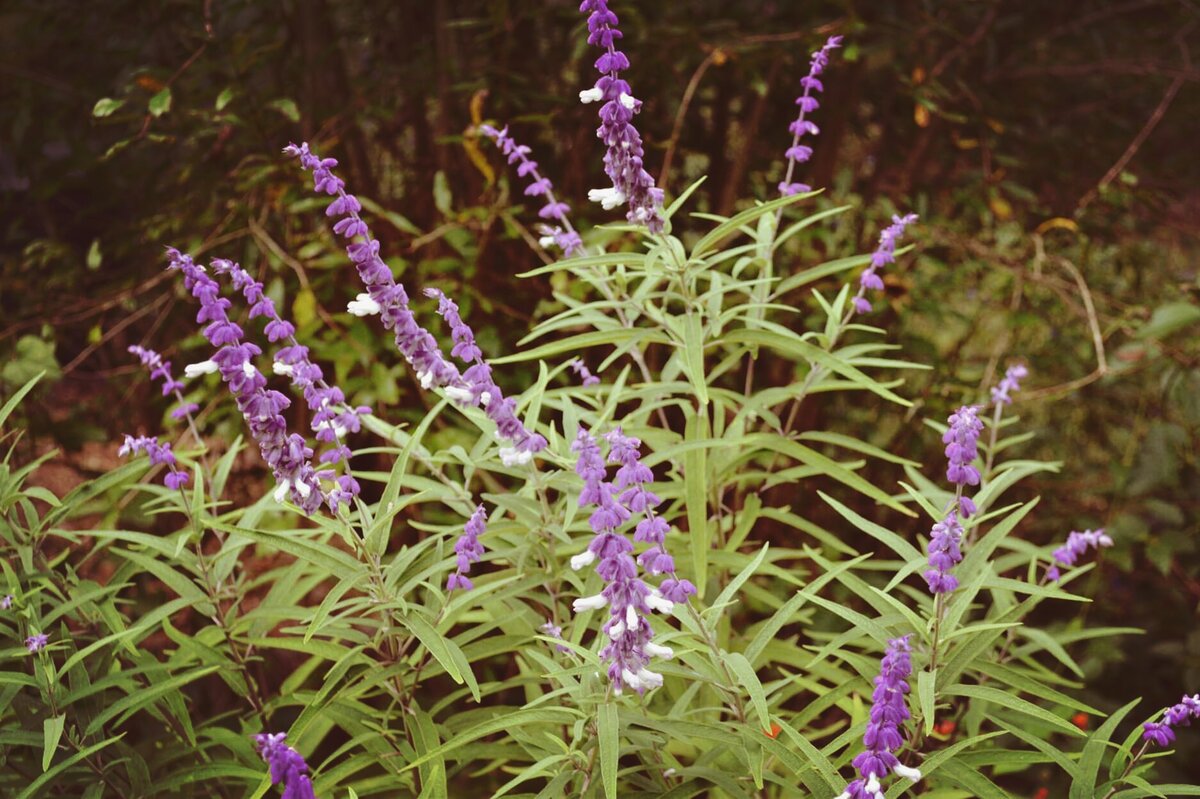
(1084, 784)
(925, 682)
(105, 106)
(749, 679)
(1014, 703)
(287, 107)
(161, 102)
(905, 550)
(224, 98)
(730, 226)
(610, 747)
(436, 643)
(695, 466)
(52, 730)
(693, 356)
(745, 574)
(1169, 318)
(506, 719)
(442, 198)
(816, 356)
(16, 398)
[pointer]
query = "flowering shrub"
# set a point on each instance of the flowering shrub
(576, 596)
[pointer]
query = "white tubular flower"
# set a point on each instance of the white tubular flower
(363, 305)
(589, 603)
(248, 369)
(592, 95)
(627, 100)
(584, 558)
(546, 242)
(656, 651)
(650, 679)
(202, 368)
(658, 602)
(304, 488)
(511, 456)
(907, 773)
(426, 379)
(631, 679)
(631, 617)
(458, 394)
(485, 398)
(609, 198)
(616, 631)
(281, 490)
(280, 368)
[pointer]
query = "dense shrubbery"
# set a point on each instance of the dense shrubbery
(629, 576)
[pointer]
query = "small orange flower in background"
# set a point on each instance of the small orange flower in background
(945, 727)
(1080, 720)
(774, 731)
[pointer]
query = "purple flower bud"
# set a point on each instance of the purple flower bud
(540, 186)
(286, 764)
(6, 602)
(468, 550)
(944, 554)
(1076, 546)
(798, 153)
(580, 368)
(160, 454)
(882, 737)
(884, 254)
(36, 642)
(961, 440)
(1011, 382)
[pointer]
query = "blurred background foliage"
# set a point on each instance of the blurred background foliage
(1050, 149)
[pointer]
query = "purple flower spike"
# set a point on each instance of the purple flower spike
(36, 642)
(476, 387)
(6, 602)
(629, 599)
(580, 368)
(1011, 382)
(161, 370)
(944, 554)
(884, 254)
(287, 454)
(961, 440)
(554, 631)
(632, 185)
(1076, 547)
(1183, 713)
(882, 738)
(799, 153)
(563, 234)
(384, 296)
(286, 764)
(468, 549)
(160, 455)
(332, 419)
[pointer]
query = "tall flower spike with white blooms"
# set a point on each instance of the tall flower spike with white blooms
(631, 183)
(629, 599)
(415, 343)
(478, 387)
(288, 455)
(332, 419)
